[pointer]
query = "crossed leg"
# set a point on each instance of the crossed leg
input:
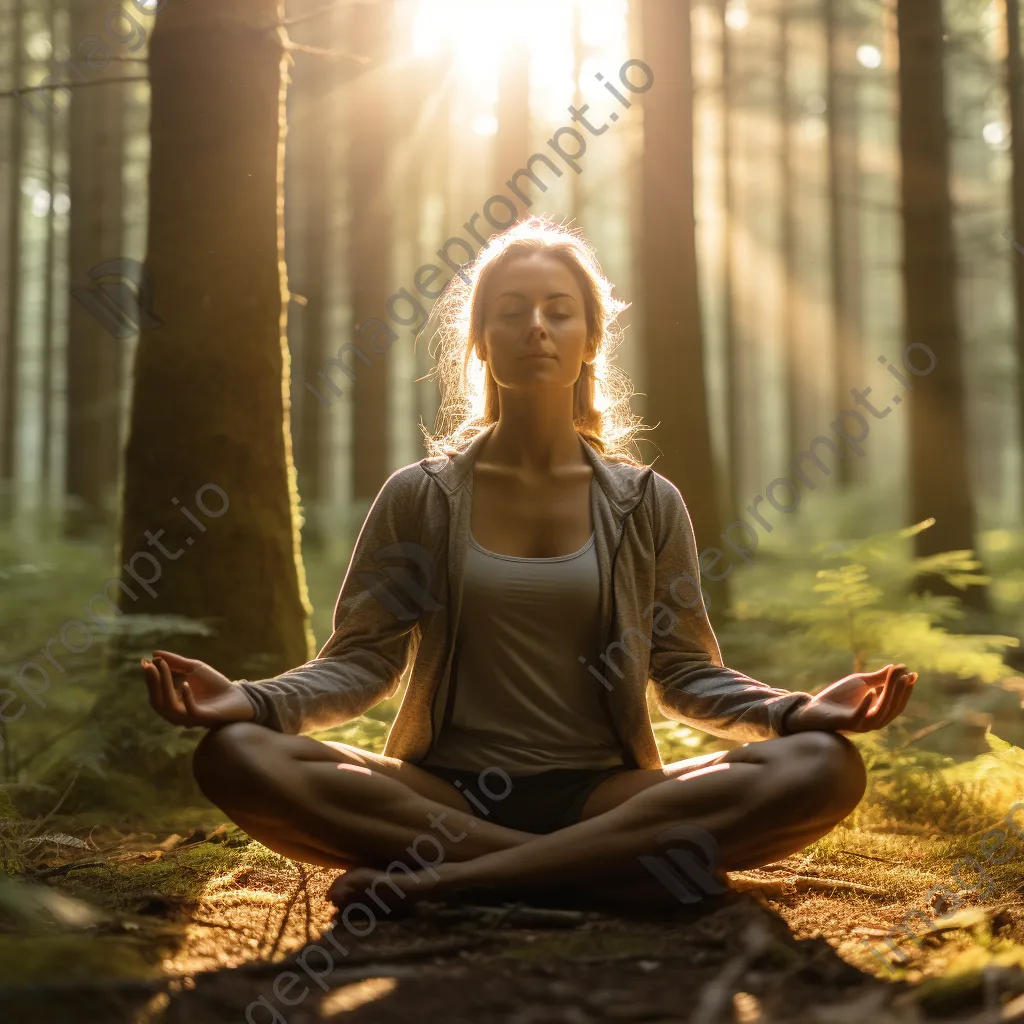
(338, 806)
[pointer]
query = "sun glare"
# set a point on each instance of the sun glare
(476, 32)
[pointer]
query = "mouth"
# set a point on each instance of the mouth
(536, 355)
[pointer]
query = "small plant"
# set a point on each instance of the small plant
(858, 613)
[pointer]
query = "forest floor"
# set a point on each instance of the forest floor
(196, 923)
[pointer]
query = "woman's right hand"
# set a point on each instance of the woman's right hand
(202, 697)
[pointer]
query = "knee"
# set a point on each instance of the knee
(228, 754)
(829, 767)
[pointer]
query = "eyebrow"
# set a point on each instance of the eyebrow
(553, 295)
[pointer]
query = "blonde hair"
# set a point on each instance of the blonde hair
(469, 394)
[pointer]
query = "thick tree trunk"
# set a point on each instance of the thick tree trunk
(94, 355)
(370, 255)
(940, 479)
(312, 133)
(210, 435)
(676, 389)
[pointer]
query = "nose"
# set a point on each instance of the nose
(537, 320)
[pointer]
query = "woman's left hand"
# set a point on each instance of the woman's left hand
(860, 702)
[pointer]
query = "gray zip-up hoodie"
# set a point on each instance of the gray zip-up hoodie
(398, 613)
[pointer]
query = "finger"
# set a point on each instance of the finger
(892, 692)
(896, 700)
(172, 700)
(153, 685)
(177, 662)
(908, 691)
(860, 714)
(197, 716)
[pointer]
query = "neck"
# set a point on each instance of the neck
(535, 431)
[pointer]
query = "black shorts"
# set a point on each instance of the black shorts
(540, 803)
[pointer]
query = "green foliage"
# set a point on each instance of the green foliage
(848, 608)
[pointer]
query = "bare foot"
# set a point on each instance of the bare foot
(387, 891)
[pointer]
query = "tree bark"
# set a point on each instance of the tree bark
(736, 400)
(676, 388)
(9, 343)
(940, 479)
(94, 355)
(788, 235)
(311, 151)
(1015, 91)
(210, 416)
(844, 254)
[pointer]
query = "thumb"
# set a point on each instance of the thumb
(863, 707)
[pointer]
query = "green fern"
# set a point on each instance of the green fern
(862, 612)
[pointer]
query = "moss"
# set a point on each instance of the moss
(8, 812)
(963, 980)
(41, 959)
(183, 875)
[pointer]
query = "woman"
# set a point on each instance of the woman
(531, 577)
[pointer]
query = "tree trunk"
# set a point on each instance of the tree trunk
(9, 343)
(788, 235)
(1015, 89)
(46, 414)
(513, 141)
(844, 254)
(311, 152)
(939, 473)
(576, 191)
(94, 355)
(209, 422)
(370, 255)
(676, 389)
(736, 400)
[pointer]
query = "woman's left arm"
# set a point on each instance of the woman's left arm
(692, 683)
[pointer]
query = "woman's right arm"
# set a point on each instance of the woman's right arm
(376, 621)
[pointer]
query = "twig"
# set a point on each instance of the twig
(80, 85)
(801, 884)
(854, 853)
(63, 869)
(299, 18)
(317, 51)
(212, 924)
(921, 733)
(718, 992)
(42, 821)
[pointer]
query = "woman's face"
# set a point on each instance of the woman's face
(534, 324)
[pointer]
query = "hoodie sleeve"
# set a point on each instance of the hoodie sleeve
(376, 621)
(691, 682)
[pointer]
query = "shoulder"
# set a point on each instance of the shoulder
(668, 509)
(404, 494)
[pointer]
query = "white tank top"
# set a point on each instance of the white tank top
(524, 701)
